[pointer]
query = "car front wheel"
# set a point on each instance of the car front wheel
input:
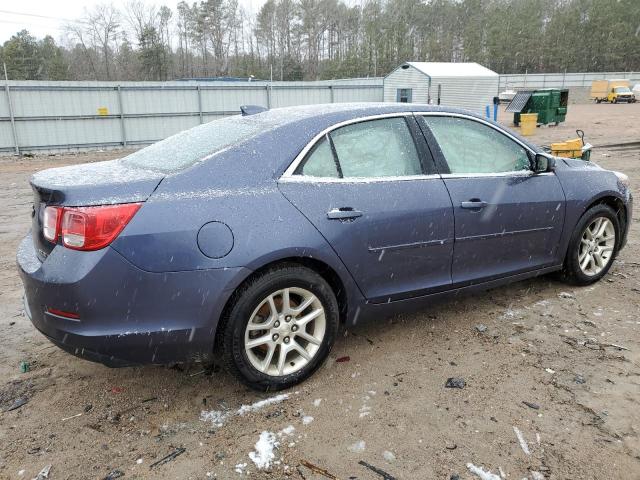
(280, 328)
(594, 245)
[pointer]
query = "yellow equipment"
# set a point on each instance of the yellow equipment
(574, 148)
(528, 123)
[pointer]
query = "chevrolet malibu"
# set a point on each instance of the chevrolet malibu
(252, 238)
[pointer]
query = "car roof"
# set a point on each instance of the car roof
(293, 114)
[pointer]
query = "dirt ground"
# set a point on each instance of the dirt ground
(545, 343)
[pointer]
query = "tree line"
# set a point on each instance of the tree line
(324, 39)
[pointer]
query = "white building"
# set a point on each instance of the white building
(464, 85)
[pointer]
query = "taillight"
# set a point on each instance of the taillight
(91, 228)
(51, 223)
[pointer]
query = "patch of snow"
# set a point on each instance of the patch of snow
(358, 447)
(139, 461)
(244, 409)
(307, 419)
(287, 431)
(483, 475)
(216, 417)
(317, 402)
(219, 417)
(388, 456)
(523, 442)
(264, 454)
(549, 370)
(240, 468)
(537, 475)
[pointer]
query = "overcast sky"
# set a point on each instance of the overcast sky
(46, 17)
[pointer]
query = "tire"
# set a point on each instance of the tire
(251, 304)
(573, 272)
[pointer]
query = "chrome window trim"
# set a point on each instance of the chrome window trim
(289, 176)
(310, 179)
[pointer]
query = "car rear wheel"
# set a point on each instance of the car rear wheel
(594, 244)
(280, 328)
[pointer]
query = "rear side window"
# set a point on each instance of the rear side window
(473, 147)
(320, 161)
(369, 149)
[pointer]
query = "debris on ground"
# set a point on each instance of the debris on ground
(535, 406)
(379, 471)
(317, 470)
(358, 446)
(346, 358)
(566, 295)
(19, 402)
(172, 456)
(579, 379)
(44, 473)
(481, 327)
(24, 367)
(481, 473)
(113, 474)
(523, 442)
(72, 416)
(454, 382)
(264, 453)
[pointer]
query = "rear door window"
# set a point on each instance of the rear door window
(368, 149)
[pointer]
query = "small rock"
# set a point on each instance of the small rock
(580, 379)
(450, 446)
(481, 328)
(566, 295)
(455, 476)
(453, 382)
(535, 406)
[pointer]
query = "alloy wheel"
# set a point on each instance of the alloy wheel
(285, 331)
(596, 246)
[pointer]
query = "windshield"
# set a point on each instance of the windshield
(623, 90)
(190, 146)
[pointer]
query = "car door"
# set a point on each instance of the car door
(507, 218)
(371, 190)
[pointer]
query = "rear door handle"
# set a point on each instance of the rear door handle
(474, 204)
(343, 213)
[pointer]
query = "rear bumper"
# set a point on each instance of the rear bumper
(127, 315)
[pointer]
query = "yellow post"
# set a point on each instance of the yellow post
(528, 122)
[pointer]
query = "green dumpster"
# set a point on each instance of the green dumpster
(549, 103)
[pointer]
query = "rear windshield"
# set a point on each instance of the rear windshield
(186, 148)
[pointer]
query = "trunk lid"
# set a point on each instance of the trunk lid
(101, 183)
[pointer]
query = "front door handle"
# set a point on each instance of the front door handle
(343, 213)
(474, 204)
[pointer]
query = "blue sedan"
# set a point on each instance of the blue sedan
(252, 239)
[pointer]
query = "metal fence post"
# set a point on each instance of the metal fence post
(331, 93)
(13, 120)
(123, 130)
(200, 103)
(268, 88)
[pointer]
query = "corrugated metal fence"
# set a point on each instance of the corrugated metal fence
(66, 116)
(561, 80)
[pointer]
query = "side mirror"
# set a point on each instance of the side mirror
(543, 163)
